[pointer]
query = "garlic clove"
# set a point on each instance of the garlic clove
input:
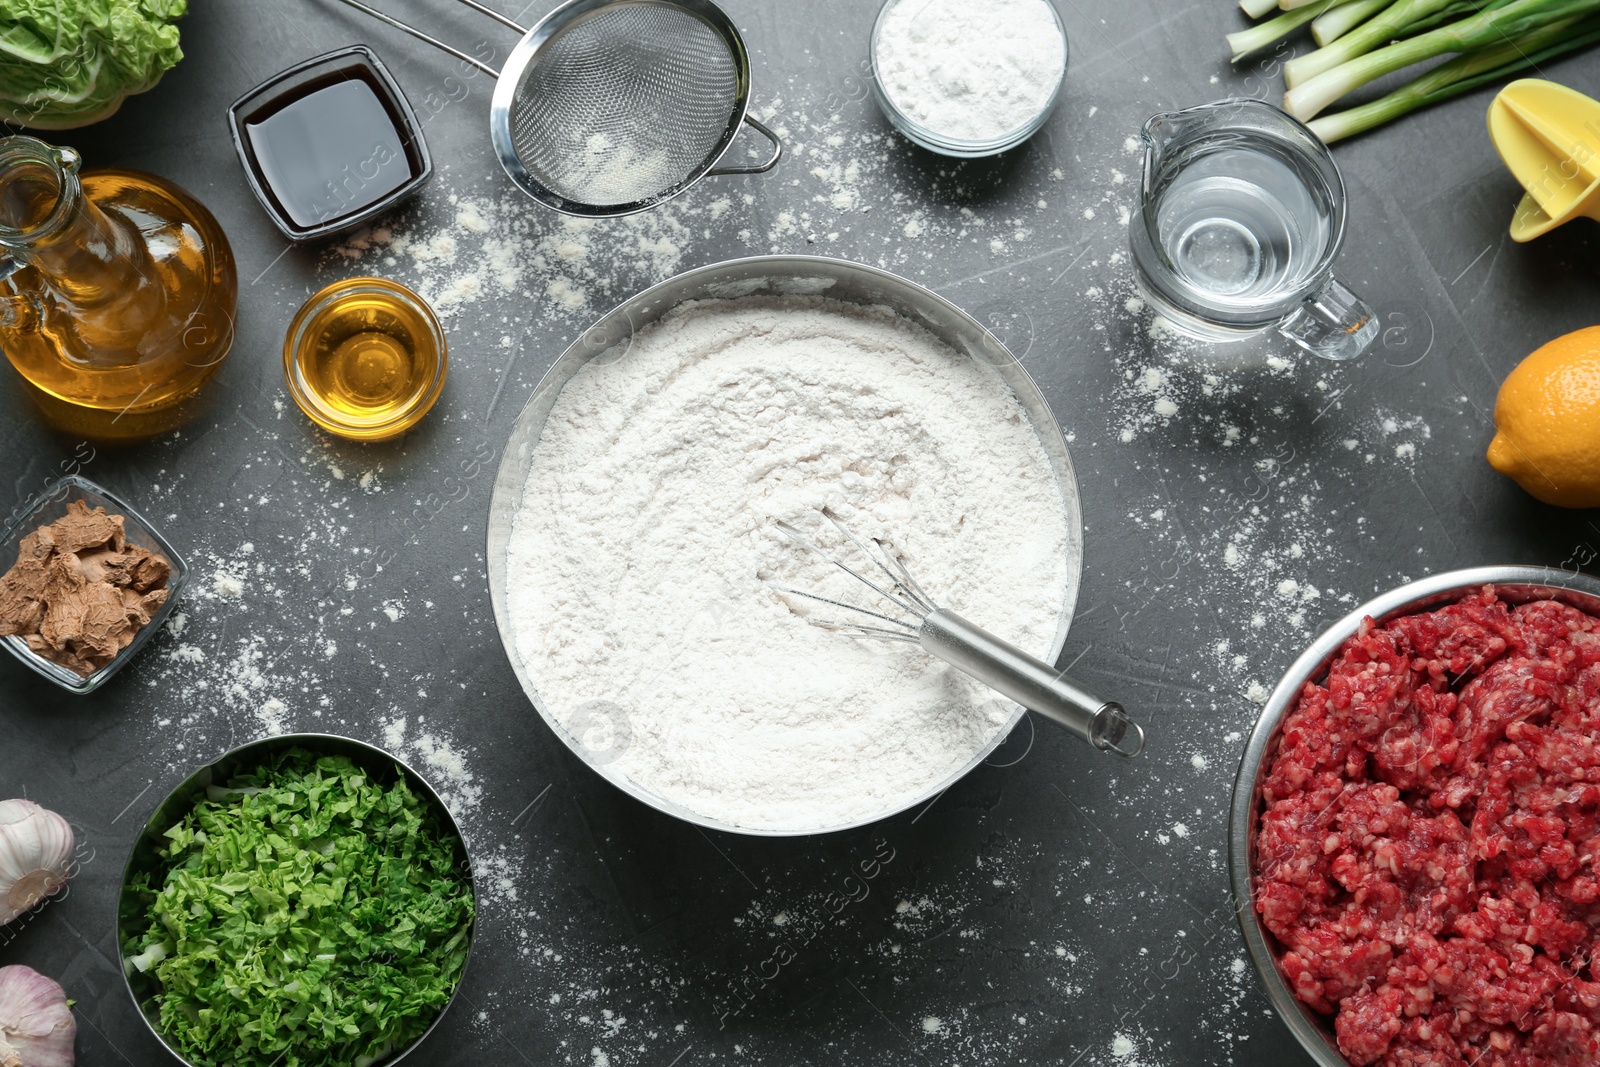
(36, 1025)
(35, 856)
(32, 888)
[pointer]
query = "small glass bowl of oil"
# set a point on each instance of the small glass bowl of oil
(365, 358)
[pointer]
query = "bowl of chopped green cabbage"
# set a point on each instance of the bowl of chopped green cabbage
(301, 901)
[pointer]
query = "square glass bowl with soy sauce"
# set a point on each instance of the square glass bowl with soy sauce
(329, 144)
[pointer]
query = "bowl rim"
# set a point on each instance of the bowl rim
(332, 744)
(1519, 584)
(751, 275)
(17, 526)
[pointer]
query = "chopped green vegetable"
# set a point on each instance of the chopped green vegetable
(308, 917)
(67, 63)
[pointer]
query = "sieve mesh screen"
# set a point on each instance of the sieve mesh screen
(626, 104)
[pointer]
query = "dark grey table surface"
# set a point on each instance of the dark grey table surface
(1051, 907)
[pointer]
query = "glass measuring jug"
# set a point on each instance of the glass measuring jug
(1241, 217)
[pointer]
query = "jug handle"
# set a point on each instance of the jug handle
(1332, 323)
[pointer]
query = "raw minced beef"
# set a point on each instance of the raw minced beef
(1427, 853)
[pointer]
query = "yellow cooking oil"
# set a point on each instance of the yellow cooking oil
(117, 292)
(365, 358)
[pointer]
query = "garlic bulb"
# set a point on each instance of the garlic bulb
(36, 1025)
(35, 851)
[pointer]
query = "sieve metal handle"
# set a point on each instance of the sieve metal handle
(759, 168)
(492, 13)
(413, 31)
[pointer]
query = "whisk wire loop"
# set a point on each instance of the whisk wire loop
(891, 620)
(898, 575)
(899, 597)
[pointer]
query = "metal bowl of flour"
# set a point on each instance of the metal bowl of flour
(609, 339)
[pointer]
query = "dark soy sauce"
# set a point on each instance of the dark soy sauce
(330, 150)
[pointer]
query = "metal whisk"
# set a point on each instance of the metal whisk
(967, 647)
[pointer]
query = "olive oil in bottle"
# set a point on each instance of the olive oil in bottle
(117, 292)
(365, 358)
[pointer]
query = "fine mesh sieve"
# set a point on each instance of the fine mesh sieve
(608, 107)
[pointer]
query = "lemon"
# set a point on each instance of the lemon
(1548, 422)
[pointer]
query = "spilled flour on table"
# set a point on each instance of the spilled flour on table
(496, 250)
(440, 762)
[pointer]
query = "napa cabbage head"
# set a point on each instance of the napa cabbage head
(67, 63)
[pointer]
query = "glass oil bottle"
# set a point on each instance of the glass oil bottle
(117, 291)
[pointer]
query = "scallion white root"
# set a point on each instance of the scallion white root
(1266, 34)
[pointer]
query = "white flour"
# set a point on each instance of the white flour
(644, 539)
(974, 70)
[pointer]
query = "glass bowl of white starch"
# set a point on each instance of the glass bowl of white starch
(968, 78)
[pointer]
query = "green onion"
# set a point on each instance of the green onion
(1488, 29)
(1362, 41)
(1462, 75)
(1358, 42)
(1458, 9)
(1335, 23)
(1269, 33)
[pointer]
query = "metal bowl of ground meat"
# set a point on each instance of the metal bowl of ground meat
(1414, 840)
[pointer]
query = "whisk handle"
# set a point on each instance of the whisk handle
(1035, 685)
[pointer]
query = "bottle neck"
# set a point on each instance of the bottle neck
(46, 222)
